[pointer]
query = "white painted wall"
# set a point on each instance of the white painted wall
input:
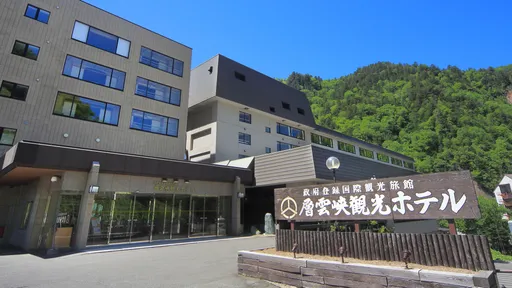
(497, 192)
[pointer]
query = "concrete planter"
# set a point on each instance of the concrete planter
(318, 273)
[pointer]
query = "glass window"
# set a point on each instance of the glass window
(80, 32)
(25, 50)
(117, 81)
(286, 105)
(7, 136)
(176, 96)
(396, 161)
(72, 66)
(157, 91)
(409, 165)
(244, 117)
(13, 90)
(284, 146)
(301, 111)
(268, 150)
(290, 131)
(366, 153)
(322, 140)
(161, 62)
(86, 109)
(173, 127)
(383, 157)
(101, 39)
(282, 129)
(94, 73)
(268, 130)
(239, 76)
(346, 147)
(154, 123)
(296, 133)
(244, 138)
(141, 87)
(37, 14)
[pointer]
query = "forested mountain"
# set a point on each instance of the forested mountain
(446, 119)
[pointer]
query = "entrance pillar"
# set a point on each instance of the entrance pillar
(236, 208)
(84, 216)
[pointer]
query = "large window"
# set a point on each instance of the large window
(366, 153)
(154, 123)
(86, 109)
(382, 157)
(284, 146)
(37, 14)
(409, 165)
(157, 91)
(25, 50)
(94, 73)
(100, 39)
(346, 147)
(244, 138)
(7, 136)
(290, 131)
(161, 61)
(244, 117)
(13, 90)
(396, 161)
(322, 140)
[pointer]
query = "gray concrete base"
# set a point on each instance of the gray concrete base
(318, 273)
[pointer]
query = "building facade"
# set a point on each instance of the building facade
(93, 117)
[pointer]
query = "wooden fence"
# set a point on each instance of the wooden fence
(461, 251)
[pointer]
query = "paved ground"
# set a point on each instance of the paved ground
(505, 279)
(202, 264)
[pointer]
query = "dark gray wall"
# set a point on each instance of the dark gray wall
(260, 91)
(353, 167)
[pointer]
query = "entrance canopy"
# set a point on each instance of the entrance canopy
(27, 161)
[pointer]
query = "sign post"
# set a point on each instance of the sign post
(449, 195)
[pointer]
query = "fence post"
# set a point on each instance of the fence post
(292, 225)
(356, 227)
(451, 225)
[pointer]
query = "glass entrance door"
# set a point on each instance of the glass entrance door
(181, 216)
(67, 215)
(121, 224)
(142, 217)
(197, 217)
(162, 219)
(100, 219)
(211, 205)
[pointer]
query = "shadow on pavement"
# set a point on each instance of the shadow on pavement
(11, 250)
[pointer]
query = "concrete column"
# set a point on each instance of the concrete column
(236, 205)
(84, 215)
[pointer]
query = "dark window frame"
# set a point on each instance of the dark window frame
(341, 143)
(155, 133)
(301, 111)
(87, 38)
(72, 103)
(279, 143)
(382, 155)
(393, 159)
(242, 119)
(286, 106)
(78, 78)
(506, 187)
(268, 150)
(26, 49)
(268, 130)
(170, 91)
(240, 76)
(361, 149)
(14, 88)
(303, 138)
(409, 163)
(245, 142)
(321, 140)
(13, 140)
(173, 59)
(37, 13)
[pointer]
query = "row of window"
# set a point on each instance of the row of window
(94, 73)
(38, 14)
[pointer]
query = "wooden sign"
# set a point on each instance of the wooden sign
(428, 196)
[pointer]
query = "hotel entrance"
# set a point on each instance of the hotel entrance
(125, 217)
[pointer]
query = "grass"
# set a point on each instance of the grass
(496, 255)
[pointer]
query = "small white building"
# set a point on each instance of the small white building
(503, 192)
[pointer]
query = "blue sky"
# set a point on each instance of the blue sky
(330, 38)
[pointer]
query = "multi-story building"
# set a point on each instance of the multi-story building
(236, 112)
(93, 117)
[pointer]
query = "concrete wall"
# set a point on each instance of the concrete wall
(497, 191)
(203, 84)
(33, 118)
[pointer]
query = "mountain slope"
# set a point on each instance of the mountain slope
(446, 119)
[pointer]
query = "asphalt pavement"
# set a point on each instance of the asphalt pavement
(199, 264)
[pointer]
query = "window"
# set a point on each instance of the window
(505, 189)
(244, 117)
(290, 131)
(240, 76)
(94, 73)
(86, 109)
(284, 146)
(395, 161)
(322, 140)
(244, 138)
(161, 62)
(346, 147)
(286, 105)
(241, 156)
(13, 90)
(301, 111)
(7, 136)
(100, 39)
(268, 130)
(154, 123)
(272, 109)
(25, 50)
(366, 153)
(409, 165)
(37, 14)
(28, 210)
(382, 157)
(157, 91)
(268, 150)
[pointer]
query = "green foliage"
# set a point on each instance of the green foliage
(496, 255)
(445, 119)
